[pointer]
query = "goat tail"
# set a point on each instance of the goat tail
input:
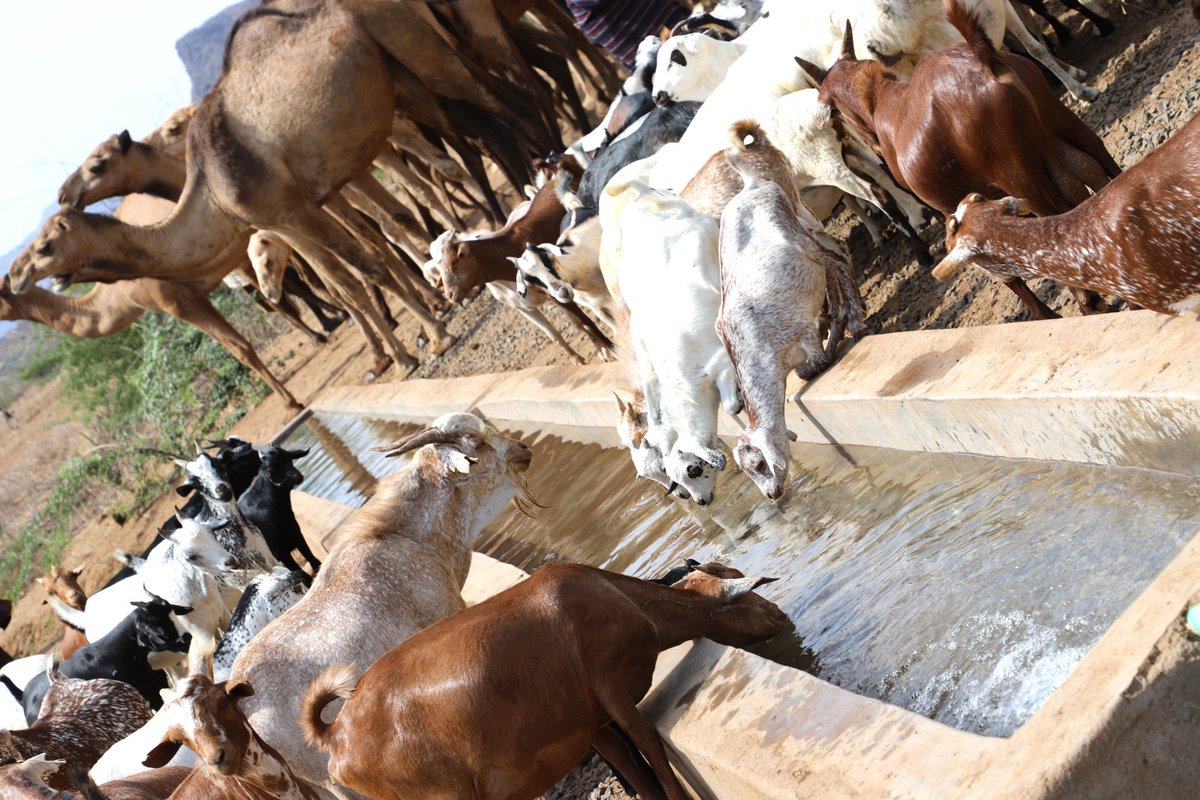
(337, 681)
(86, 786)
(72, 617)
(566, 195)
(746, 134)
(966, 21)
(13, 689)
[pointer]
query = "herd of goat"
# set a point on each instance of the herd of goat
(684, 236)
(202, 670)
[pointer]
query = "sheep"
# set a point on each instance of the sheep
(121, 655)
(690, 67)
(267, 505)
(1011, 133)
(461, 711)
(777, 268)
(397, 566)
(80, 719)
(1137, 238)
(659, 247)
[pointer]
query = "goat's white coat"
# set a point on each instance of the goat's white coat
(707, 60)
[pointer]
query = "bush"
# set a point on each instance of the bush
(150, 390)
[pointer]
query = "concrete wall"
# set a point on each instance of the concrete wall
(1121, 389)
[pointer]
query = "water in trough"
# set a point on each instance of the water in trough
(962, 588)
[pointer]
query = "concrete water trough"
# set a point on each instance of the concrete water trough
(1120, 392)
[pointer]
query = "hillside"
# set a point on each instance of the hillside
(201, 49)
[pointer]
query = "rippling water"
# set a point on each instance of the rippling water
(962, 588)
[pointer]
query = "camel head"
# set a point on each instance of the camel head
(171, 137)
(62, 245)
(269, 255)
(104, 173)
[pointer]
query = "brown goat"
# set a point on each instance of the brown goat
(970, 119)
(205, 717)
(63, 585)
(1137, 238)
(79, 721)
(501, 700)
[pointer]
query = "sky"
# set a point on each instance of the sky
(72, 73)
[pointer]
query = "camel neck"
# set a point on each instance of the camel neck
(88, 317)
(196, 234)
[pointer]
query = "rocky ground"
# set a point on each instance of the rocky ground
(1147, 72)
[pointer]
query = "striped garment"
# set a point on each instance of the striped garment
(620, 25)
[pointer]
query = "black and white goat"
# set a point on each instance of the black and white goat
(267, 505)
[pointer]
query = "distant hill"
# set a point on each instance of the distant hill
(201, 49)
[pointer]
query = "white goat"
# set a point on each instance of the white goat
(398, 566)
(569, 269)
(690, 67)
(778, 267)
(184, 570)
(664, 254)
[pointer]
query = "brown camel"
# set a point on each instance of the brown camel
(171, 136)
(259, 157)
(110, 308)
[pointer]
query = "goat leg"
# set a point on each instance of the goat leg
(627, 763)
(624, 712)
(1037, 309)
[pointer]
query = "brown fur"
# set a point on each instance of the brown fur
(972, 120)
(460, 710)
(1137, 238)
(80, 720)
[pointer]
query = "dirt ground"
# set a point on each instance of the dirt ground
(1147, 72)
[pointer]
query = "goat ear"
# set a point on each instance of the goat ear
(76, 572)
(620, 403)
(295, 454)
(732, 589)
(239, 690)
(848, 43)
(715, 458)
(185, 489)
(1017, 206)
(813, 71)
(162, 753)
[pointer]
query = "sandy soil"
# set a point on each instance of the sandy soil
(1147, 73)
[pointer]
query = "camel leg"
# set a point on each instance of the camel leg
(396, 222)
(328, 315)
(334, 273)
(195, 309)
(556, 18)
(439, 339)
(286, 309)
(474, 165)
(403, 175)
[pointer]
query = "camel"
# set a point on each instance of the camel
(171, 137)
(110, 308)
(258, 158)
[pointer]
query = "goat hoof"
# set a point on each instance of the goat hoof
(1089, 94)
(379, 367)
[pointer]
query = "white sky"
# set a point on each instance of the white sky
(73, 72)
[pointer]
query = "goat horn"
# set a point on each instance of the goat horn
(848, 43)
(199, 449)
(419, 439)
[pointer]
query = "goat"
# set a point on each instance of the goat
(778, 266)
(665, 124)
(265, 598)
(659, 246)
(397, 566)
(569, 270)
(633, 101)
(207, 475)
(63, 590)
(690, 67)
(267, 505)
(80, 719)
(513, 293)
(506, 726)
(205, 717)
(122, 655)
(187, 569)
(1011, 134)
(1137, 238)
